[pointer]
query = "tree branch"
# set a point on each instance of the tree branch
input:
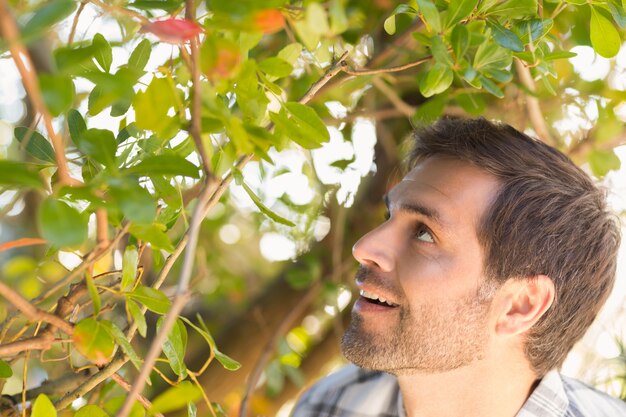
(25, 66)
(196, 117)
(394, 98)
(31, 312)
(366, 71)
(532, 104)
(126, 385)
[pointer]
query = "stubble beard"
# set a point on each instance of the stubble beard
(433, 338)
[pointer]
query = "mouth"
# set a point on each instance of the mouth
(373, 298)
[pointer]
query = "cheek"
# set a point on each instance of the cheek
(427, 277)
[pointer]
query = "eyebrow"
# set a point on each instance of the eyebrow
(416, 208)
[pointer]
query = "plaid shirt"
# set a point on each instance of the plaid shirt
(355, 392)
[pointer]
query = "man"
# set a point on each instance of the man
(497, 254)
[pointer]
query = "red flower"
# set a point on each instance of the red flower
(173, 30)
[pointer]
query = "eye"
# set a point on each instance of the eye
(424, 234)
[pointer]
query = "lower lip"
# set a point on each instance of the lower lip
(364, 306)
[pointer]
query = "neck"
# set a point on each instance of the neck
(481, 389)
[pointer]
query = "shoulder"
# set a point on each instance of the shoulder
(587, 401)
(348, 392)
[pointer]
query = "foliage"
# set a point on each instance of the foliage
(127, 162)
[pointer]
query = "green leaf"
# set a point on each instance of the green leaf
(192, 410)
(17, 174)
(460, 41)
(491, 87)
(438, 79)
(165, 165)
(121, 340)
(113, 405)
(57, 91)
(137, 204)
(291, 53)
(176, 398)
(93, 294)
(140, 55)
(100, 144)
(76, 125)
(91, 410)
(429, 111)
(440, 51)
(152, 298)
(152, 105)
(618, 12)
(308, 122)
(93, 341)
(515, 9)
(175, 346)
(74, 60)
(559, 55)
(276, 67)
(227, 362)
(390, 22)
(505, 37)
(605, 38)
(154, 234)
(264, 209)
(104, 54)
(317, 19)
(43, 407)
(459, 10)
(5, 370)
(492, 55)
(603, 161)
(45, 17)
(431, 14)
(35, 144)
(472, 103)
(342, 164)
(129, 267)
(60, 224)
(338, 19)
(138, 317)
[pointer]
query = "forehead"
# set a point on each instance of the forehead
(457, 192)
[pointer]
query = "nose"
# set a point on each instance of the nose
(375, 249)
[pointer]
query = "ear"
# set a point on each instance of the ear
(522, 303)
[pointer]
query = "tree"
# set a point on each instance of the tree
(120, 266)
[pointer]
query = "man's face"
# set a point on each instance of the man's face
(426, 263)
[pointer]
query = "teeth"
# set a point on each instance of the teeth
(372, 296)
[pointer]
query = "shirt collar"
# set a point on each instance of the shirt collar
(548, 399)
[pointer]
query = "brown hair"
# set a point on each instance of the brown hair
(548, 218)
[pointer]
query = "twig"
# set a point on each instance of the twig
(366, 71)
(126, 385)
(532, 104)
(92, 382)
(92, 257)
(31, 312)
(282, 328)
(81, 6)
(102, 228)
(196, 117)
(394, 98)
(25, 345)
(26, 68)
(332, 71)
